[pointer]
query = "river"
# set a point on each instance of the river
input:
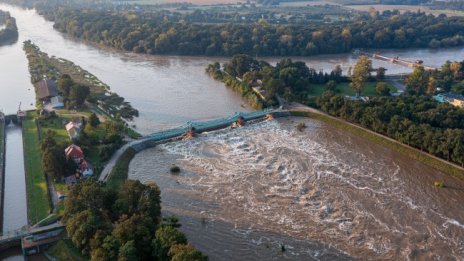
(322, 193)
(167, 90)
(170, 90)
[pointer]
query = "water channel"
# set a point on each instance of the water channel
(170, 90)
(15, 205)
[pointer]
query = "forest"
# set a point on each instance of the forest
(418, 121)
(125, 224)
(8, 28)
(167, 32)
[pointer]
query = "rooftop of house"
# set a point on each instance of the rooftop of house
(73, 149)
(46, 88)
(72, 124)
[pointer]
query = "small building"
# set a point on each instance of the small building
(86, 169)
(75, 153)
(70, 181)
(46, 89)
(57, 102)
(73, 128)
(451, 98)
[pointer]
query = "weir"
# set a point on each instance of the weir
(199, 126)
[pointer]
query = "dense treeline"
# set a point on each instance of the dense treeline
(162, 32)
(450, 77)
(420, 122)
(125, 224)
(8, 28)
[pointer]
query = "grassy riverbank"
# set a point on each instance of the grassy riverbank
(120, 172)
(403, 149)
(38, 203)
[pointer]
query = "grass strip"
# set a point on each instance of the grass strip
(65, 250)
(38, 203)
(401, 148)
(120, 172)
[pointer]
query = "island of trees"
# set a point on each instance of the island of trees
(259, 82)
(8, 28)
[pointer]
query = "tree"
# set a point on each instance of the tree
(82, 226)
(380, 75)
(64, 85)
(431, 86)
(77, 95)
(382, 89)
(128, 252)
(165, 238)
(416, 82)
(361, 72)
(137, 198)
(182, 252)
(331, 85)
(93, 120)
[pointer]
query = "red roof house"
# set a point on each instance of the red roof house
(75, 153)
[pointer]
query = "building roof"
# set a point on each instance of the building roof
(46, 88)
(73, 150)
(70, 180)
(57, 102)
(71, 125)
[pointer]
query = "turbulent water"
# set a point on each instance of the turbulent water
(321, 193)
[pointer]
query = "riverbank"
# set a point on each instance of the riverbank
(430, 160)
(38, 198)
(2, 169)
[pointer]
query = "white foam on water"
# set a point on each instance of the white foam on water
(302, 185)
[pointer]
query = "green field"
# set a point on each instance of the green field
(38, 204)
(344, 88)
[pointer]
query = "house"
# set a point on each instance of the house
(73, 128)
(46, 89)
(86, 169)
(451, 98)
(75, 153)
(70, 180)
(57, 102)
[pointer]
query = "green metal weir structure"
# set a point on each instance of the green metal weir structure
(202, 126)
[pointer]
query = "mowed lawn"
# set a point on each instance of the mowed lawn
(38, 204)
(344, 88)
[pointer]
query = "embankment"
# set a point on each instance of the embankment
(430, 160)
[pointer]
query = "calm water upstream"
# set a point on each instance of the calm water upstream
(324, 194)
(168, 90)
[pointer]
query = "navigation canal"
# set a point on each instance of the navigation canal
(15, 205)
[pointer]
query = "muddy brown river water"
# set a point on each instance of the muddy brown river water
(321, 193)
